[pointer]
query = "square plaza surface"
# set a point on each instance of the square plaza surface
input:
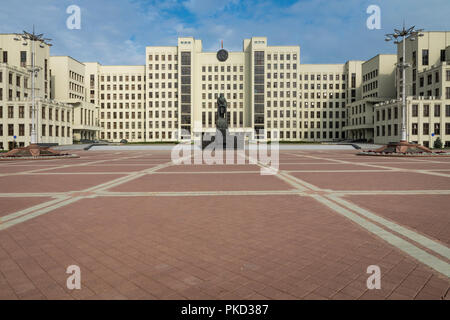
(141, 227)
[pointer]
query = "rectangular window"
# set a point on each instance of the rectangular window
(415, 110)
(23, 59)
(426, 128)
(425, 58)
(426, 110)
(21, 130)
(437, 110)
(414, 129)
(437, 128)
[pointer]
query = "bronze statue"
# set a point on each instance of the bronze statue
(221, 106)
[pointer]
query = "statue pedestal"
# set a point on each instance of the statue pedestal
(221, 140)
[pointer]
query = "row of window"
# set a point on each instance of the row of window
(18, 79)
(126, 78)
(319, 77)
(75, 76)
(126, 96)
(121, 87)
(309, 135)
(162, 67)
(304, 124)
(46, 130)
(288, 56)
(19, 111)
(121, 105)
(426, 110)
(163, 57)
(369, 76)
(18, 95)
(306, 114)
(393, 130)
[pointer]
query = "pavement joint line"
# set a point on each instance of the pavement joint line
(33, 194)
(391, 192)
(286, 178)
(401, 244)
(430, 172)
(37, 213)
(198, 193)
(59, 167)
(30, 209)
(422, 240)
(204, 172)
(305, 185)
(407, 246)
(384, 167)
(33, 213)
(406, 232)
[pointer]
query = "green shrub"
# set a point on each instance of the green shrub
(437, 143)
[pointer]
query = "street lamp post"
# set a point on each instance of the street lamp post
(33, 38)
(404, 34)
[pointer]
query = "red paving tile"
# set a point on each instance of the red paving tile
(419, 165)
(428, 214)
(52, 183)
(102, 168)
(250, 239)
(11, 205)
(216, 247)
(209, 168)
(374, 180)
(325, 166)
(204, 182)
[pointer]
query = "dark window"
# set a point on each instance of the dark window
(437, 128)
(426, 110)
(414, 129)
(415, 110)
(23, 59)
(437, 110)
(426, 128)
(425, 58)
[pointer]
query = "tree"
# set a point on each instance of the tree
(437, 143)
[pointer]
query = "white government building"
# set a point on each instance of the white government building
(266, 88)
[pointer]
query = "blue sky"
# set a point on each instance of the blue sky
(117, 31)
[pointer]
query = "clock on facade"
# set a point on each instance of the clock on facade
(222, 55)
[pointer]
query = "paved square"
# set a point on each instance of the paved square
(140, 227)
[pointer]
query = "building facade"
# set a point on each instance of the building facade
(427, 85)
(53, 118)
(173, 94)
(68, 85)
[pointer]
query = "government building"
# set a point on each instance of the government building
(172, 95)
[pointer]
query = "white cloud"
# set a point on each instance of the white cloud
(117, 31)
